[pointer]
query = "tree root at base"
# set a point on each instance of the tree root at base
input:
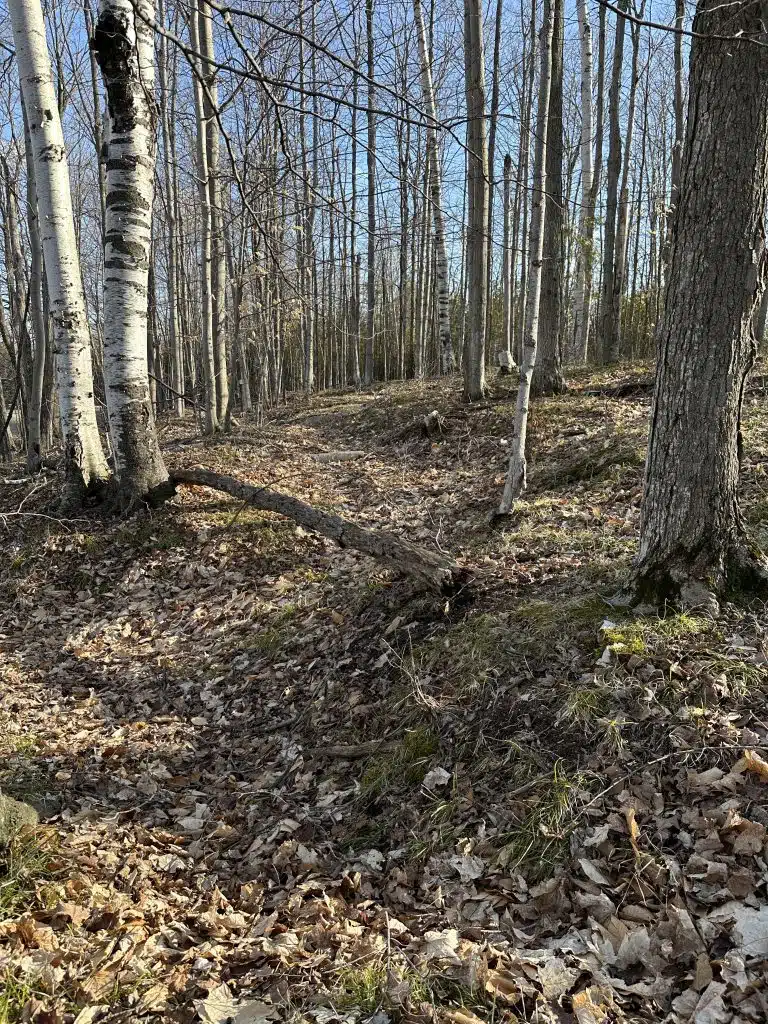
(742, 575)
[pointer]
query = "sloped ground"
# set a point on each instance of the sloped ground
(278, 784)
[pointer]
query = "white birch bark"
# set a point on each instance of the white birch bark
(35, 396)
(124, 49)
(85, 464)
(218, 253)
(436, 196)
(505, 357)
(208, 353)
(583, 289)
(516, 480)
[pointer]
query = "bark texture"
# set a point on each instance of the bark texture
(477, 188)
(517, 471)
(609, 328)
(692, 540)
(124, 49)
(436, 571)
(436, 197)
(206, 242)
(85, 465)
(584, 255)
(547, 375)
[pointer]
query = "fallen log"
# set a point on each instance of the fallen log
(345, 456)
(436, 571)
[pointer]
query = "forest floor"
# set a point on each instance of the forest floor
(278, 784)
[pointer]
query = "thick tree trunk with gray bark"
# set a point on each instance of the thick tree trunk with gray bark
(548, 376)
(124, 49)
(692, 541)
(85, 465)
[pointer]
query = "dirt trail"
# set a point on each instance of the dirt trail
(558, 821)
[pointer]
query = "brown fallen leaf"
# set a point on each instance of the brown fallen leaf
(594, 1005)
(633, 829)
(752, 762)
(97, 988)
(155, 998)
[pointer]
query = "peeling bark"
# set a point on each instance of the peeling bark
(124, 50)
(436, 197)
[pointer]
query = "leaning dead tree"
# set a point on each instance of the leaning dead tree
(434, 570)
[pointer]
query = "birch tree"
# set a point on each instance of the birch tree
(436, 195)
(124, 49)
(505, 357)
(35, 286)
(218, 252)
(516, 479)
(206, 241)
(84, 462)
(583, 290)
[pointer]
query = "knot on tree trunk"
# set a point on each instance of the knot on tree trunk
(114, 49)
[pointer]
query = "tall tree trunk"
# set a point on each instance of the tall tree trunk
(677, 149)
(98, 129)
(524, 163)
(609, 333)
(516, 479)
(547, 375)
(35, 397)
(354, 258)
(85, 465)
(692, 538)
(218, 252)
(506, 358)
(477, 157)
(436, 196)
(371, 68)
(492, 129)
(124, 49)
(622, 229)
(584, 256)
(177, 366)
(206, 244)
